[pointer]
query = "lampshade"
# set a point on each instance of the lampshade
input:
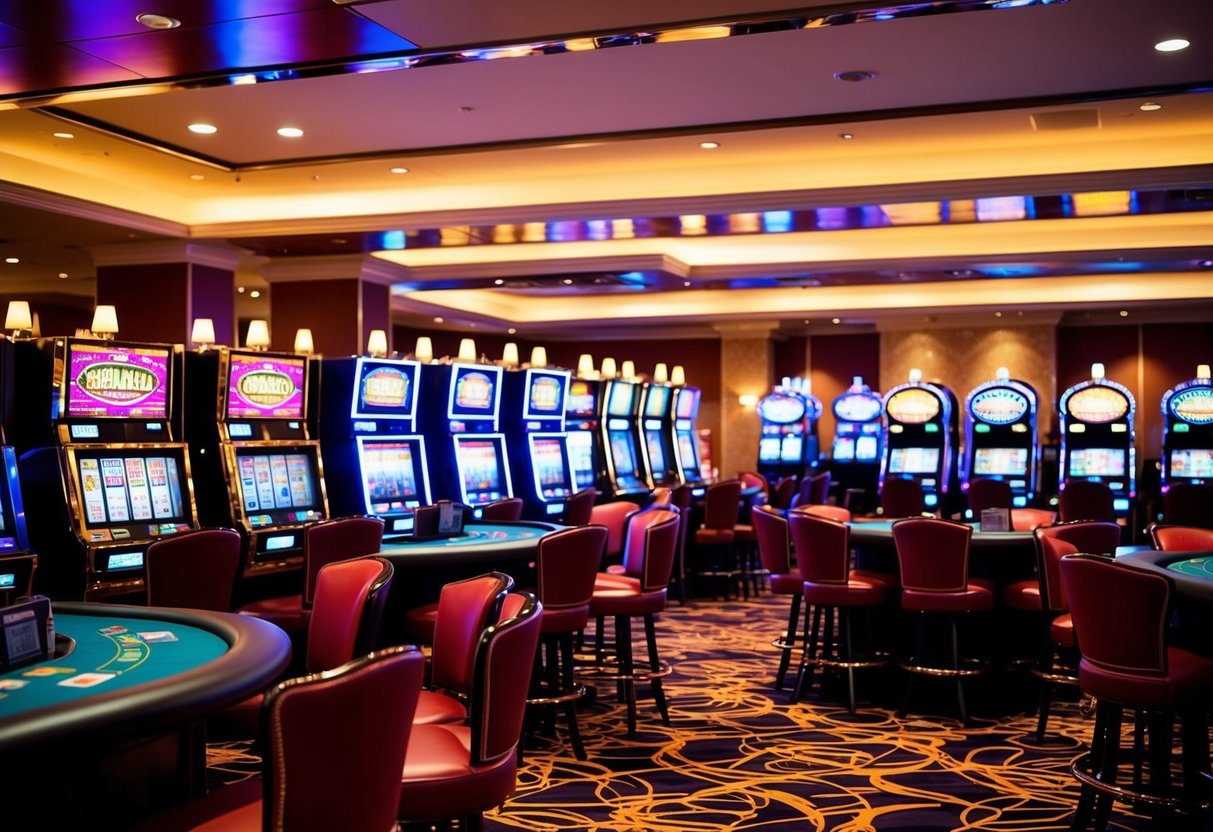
(424, 351)
(539, 357)
(915, 376)
(105, 321)
(678, 375)
(608, 368)
(509, 354)
(585, 366)
(1002, 374)
(1202, 371)
(18, 316)
(376, 343)
(1097, 370)
(661, 374)
(303, 341)
(258, 335)
(36, 329)
(747, 400)
(628, 370)
(467, 350)
(203, 332)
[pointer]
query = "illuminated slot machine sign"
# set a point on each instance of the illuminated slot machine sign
(857, 429)
(261, 387)
(784, 419)
(1097, 438)
(484, 476)
(660, 464)
(686, 445)
(481, 460)
(622, 453)
(1000, 436)
(547, 452)
(918, 441)
(581, 419)
(1187, 411)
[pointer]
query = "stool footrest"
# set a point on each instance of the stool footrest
(970, 667)
(1080, 768)
(558, 698)
(879, 660)
(637, 675)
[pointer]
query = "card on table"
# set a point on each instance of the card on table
(87, 680)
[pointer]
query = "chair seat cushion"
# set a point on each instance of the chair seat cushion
(627, 601)
(1188, 681)
(787, 583)
(714, 537)
(891, 581)
(420, 621)
(615, 569)
(285, 611)
(439, 781)
(858, 591)
(233, 808)
(434, 708)
(1061, 630)
(1022, 595)
(973, 598)
(564, 619)
(606, 581)
(744, 533)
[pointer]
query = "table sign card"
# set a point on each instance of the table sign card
(23, 633)
(996, 519)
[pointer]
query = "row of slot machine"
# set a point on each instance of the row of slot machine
(109, 446)
(914, 431)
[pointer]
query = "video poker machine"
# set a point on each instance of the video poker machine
(920, 427)
(1187, 431)
(256, 467)
(788, 440)
(858, 437)
(533, 412)
(469, 462)
(1097, 442)
(582, 423)
(686, 440)
(14, 540)
(103, 464)
(1001, 436)
(656, 426)
(374, 458)
(620, 427)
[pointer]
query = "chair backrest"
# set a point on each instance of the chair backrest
(988, 493)
(1095, 537)
(339, 539)
(1119, 614)
(652, 547)
(823, 547)
(195, 569)
(1085, 500)
(465, 609)
(836, 513)
(782, 492)
(350, 597)
(819, 488)
(578, 508)
(722, 504)
(1181, 538)
(750, 479)
(1030, 519)
(1188, 504)
(901, 497)
(771, 533)
(1049, 552)
(933, 554)
(567, 565)
(336, 744)
(508, 509)
(501, 678)
(680, 496)
(614, 516)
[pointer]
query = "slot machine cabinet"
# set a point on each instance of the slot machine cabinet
(106, 473)
(686, 438)
(1097, 437)
(858, 438)
(1001, 437)
(582, 422)
(656, 417)
(920, 433)
(787, 444)
(1187, 431)
(14, 538)
(256, 467)
(533, 405)
(374, 458)
(620, 427)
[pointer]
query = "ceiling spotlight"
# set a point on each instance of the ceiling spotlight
(835, 320)
(64, 135)
(203, 128)
(439, 320)
(1124, 313)
(686, 283)
(157, 21)
(240, 290)
(499, 282)
(254, 294)
(709, 145)
(12, 259)
(62, 275)
(290, 132)
(568, 281)
(398, 170)
(1171, 45)
(846, 135)
(997, 314)
(1150, 107)
(197, 177)
(854, 75)
(511, 331)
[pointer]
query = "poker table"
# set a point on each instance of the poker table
(1000, 556)
(1191, 573)
(113, 727)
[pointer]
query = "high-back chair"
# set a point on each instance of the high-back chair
(782, 492)
(680, 498)
(614, 517)
(1085, 500)
(196, 569)
(461, 771)
(836, 513)
(1188, 504)
(819, 488)
(752, 479)
(775, 553)
(901, 497)
(716, 539)
(1056, 666)
(988, 493)
(579, 508)
(1181, 538)
(507, 509)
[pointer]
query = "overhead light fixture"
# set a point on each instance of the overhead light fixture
(62, 275)
(197, 177)
(439, 320)
(202, 333)
(854, 76)
(105, 321)
(203, 128)
(1172, 45)
(846, 136)
(1150, 106)
(1124, 313)
(258, 337)
(64, 135)
(240, 290)
(18, 317)
(499, 282)
(568, 281)
(835, 320)
(12, 260)
(398, 170)
(290, 132)
(256, 293)
(709, 145)
(157, 21)
(511, 331)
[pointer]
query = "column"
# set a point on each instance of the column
(746, 369)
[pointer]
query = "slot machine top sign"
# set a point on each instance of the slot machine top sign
(1194, 405)
(1098, 404)
(999, 405)
(913, 405)
(115, 382)
(261, 387)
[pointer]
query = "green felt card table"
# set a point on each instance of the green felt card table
(1002, 557)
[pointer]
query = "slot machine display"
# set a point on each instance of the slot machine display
(788, 442)
(256, 466)
(920, 431)
(686, 439)
(621, 438)
(375, 461)
(1001, 437)
(533, 412)
(112, 447)
(656, 417)
(1097, 442)
(469, 462)
(583, 408)
(858, 437)
(1187, 431)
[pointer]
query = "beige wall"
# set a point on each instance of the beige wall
(745, 361)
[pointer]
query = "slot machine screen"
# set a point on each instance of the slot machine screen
(1097, 462)
(125, 489)
(582, 399)
(545, 395)
(581, 457)
(279, 485)
(265, 386)
(621, 398)
(688, 453)
(551, 471)
(1008, 461)
(656, 448)
(385, 389)
(393, 474)
(768, 449)
(482, 469)
(474, 393)
(913, 460)
(792, 450)
(115, 381)
(866, 448)
(685, 406)
(1192, 463)
(623, 454)
(844, 448)
(656, 402)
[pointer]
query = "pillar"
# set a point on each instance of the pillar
(746, 369)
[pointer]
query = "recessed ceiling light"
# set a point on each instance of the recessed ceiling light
(568, 281)
(157, 21)
(854, 75)
(709, 145)
(290, 132)
(12, 259)
(686, 283)
(254, 294)
(339, 241)
(511, 331)
(1171, 45)
(64, 135)
(997, 314)
(62, 275)
(399, 170)
(204, 128)
(846, 135)
(1124, 313)
(197, 177)
(835, 320)
(240, 290)
(499, 282)
(1150, 107)
(439, 320)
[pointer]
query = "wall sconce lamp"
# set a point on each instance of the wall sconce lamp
(258, 337)
(202, 333)
(303, 341)
(18, 318)
(105, 322)
(747, 400)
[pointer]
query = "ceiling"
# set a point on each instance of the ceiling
(541, 167)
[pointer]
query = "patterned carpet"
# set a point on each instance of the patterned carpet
(738, 757)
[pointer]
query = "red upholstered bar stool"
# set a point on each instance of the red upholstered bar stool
(639, 594)
(933, 556)
(901, 497)
(1031, 519)
(988, 493)
(461, 771)
(507, 510)
(775, 551)
(680, 498)
(1085, 500)
(1120, 618)
(782, 492)
(831, 588)
(614, 517)
(196, 570)
(1181, 538)
(579, 508)
(716, 539)
(836, 513)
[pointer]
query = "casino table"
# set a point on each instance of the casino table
(1002, 557)
(112, 728)
(1191, 573)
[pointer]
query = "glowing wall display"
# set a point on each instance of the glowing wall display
(999, 405)
(1097, 404)
(913, 406)
(116, 382)
(1194, 405)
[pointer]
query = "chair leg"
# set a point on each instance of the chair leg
(1046, 703)
(568, 684)
(920, 642)
(1111, 762)
(789, 639)
(960, 688)
(623, 649)
(650, 637)
(1086, 797)
(808, 657)
(848, 654)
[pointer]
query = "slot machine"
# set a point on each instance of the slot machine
(469, 462)
(920, 431)
(1187, 431)
(858, 437)
(533, 411)
(583, 407)
(1097, 442)
(656, 417)
(787, 443)
(107, 473)
(256, 466)
(1000, 436)
(686, 440)
(621, 439)
(374, 459)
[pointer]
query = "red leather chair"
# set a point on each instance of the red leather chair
(508, 509)
(1094, 536)
(1085, 500)
(901, 497)
(716, 539)
(832, 588)
(640, 594)
(461, 771)
(782, 492)
(680, 498)
(987, 493)
(614, 516)
(819, 489)
(752, 479)
(1031, 519)
(775, 552)
(579, 508)
(1120, 618)
(196, 570)
(313, 729)
(1181, 538)
(1188, 504)
(933, 556)
(836, 513)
